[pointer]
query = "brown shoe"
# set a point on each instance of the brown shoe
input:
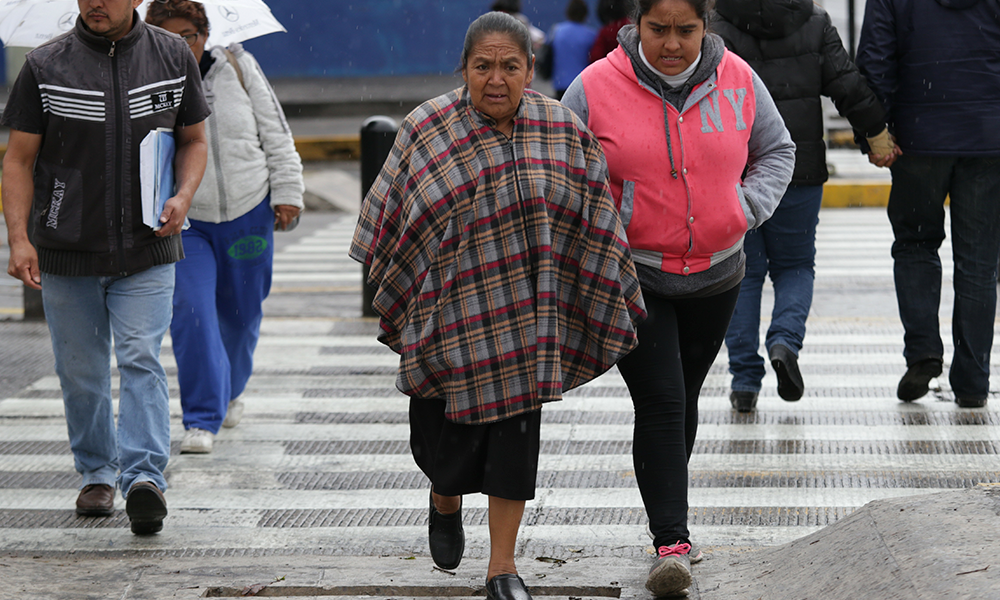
(145, 507)
(96, 500)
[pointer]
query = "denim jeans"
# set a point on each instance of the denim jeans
(83, 314)
(916, 212)
(221, 286)
(784, 247)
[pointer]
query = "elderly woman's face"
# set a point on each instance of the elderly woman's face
(497, 73)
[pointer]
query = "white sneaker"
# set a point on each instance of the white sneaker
(197, 441)
(234, 413)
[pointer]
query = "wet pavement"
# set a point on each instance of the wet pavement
(315, 494)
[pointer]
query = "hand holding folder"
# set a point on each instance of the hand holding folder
(156, 174)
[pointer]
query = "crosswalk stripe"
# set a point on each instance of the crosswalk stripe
(322, 410)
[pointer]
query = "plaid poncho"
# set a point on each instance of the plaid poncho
(502, 271)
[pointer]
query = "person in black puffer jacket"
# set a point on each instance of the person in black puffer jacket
(797, 52)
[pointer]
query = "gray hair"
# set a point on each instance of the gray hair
(496, 22)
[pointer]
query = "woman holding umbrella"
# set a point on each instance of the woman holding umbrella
(253, 185)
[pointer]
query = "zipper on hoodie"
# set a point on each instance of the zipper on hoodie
(119, 167)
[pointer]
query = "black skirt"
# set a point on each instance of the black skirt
(497, 459)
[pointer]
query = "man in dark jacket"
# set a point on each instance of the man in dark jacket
(936, 68)
(798, 54)
(78, 113)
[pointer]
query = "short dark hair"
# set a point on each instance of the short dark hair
(496, 22)
(576, 11)
(609, 11)
(159, 11)
(702, 8)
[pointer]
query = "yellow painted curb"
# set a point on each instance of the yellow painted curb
(853, 193)
(313, 148)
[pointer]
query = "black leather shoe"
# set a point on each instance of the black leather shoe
(146, 508)
(96, 500)
(743, 402)
(970, 403)
(914, 383)
(507, 587)
(786, 367)
(446, 537)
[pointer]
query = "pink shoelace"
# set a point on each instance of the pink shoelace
(675, 550)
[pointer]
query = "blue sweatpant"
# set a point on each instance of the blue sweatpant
(220, 288)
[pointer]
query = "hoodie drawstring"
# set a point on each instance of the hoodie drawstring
(666, 128)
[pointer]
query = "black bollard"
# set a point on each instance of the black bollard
(377, 136)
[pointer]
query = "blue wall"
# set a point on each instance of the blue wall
(346, 38)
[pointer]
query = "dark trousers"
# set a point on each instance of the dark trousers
(916, 212)
(678, 343)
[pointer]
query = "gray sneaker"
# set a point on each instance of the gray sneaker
(234, 413)
(197, 441)
(670, 575)
(694, 554)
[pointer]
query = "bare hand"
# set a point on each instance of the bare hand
(172, 217)
(23, 265)
(284, 214)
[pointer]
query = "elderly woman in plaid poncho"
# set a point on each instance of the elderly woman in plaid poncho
(502, 276)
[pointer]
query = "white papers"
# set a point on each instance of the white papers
(156, 174)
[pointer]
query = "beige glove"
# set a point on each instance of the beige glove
(881, 144)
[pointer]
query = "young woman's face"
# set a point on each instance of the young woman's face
(671, 36)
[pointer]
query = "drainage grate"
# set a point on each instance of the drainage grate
(397, 591)
(705, 417)
(614, 447)
(771, 516)
(367, 418)
(845, 447)
(355, 351)
(347, 447)
(34, 448)
(59, 519)
(41, 480)
(349, 392)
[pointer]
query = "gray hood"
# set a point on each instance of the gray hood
(712, 48)
(770, 19)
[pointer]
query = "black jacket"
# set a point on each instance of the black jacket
(936, 67)
(798, 54)
(93, 102)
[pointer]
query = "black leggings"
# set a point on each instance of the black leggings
(678, 343)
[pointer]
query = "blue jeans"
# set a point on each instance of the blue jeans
(784, 247)
(83, 314)
(916, 212)
(221, 286)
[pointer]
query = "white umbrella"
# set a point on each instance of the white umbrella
(31, 23)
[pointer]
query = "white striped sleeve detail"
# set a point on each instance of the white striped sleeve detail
(164, 83)
(56, 102)
(57, 88)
